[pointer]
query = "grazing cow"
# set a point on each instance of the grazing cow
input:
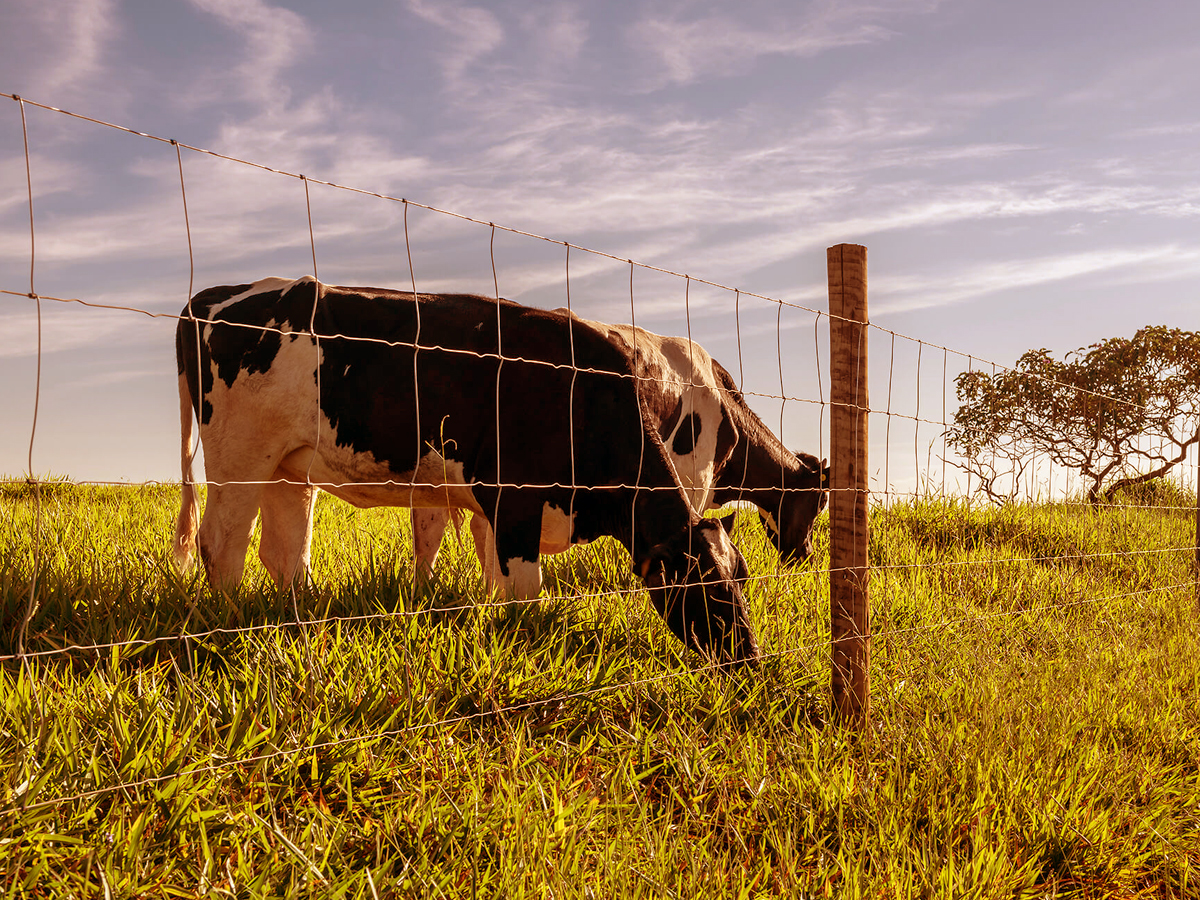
(721, 451)
(384, 397)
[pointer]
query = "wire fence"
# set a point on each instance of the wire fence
(914, 420)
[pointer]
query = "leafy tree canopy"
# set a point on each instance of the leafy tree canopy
(1120, 412)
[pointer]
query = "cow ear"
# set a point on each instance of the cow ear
(824, 471)
(727, 521)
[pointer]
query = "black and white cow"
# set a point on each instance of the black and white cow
(720, 449)
(381, 397)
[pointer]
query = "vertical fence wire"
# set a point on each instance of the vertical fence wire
(188, 453)
(37, 397)
(38, 537)
(741, 383)
(192, 451)
(571, 390)
(969, 493)
(420, 448)
(995, 473)
(887, 432)
(777, 514)
(312, 330)
(571, 441)
(945, 448)
(310, 489)
(820, 389)
(917, 425)
(496, 525)
(884, 525)
(691, 386)
(637, 392)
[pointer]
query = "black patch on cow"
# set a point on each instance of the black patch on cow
(687, 435)
(367, 387)
(237, 349)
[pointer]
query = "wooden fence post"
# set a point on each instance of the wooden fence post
(849, 600)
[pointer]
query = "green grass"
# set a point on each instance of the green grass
(1035, 728)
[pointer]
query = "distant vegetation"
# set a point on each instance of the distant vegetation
(1036, 731)
(1120, 412)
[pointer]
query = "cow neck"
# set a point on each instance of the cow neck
(760, 468)
(657, 516)
(660, 509)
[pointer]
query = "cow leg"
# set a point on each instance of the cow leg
(286, 543)
(428, 527)
(225, 531)
(518, 549)
(485, 549)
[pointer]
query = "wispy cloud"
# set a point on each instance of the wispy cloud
(474, 33)
(71, 38)
(19, 332)
(275, 39)
(1133, 83)
(692, 47)
(559, 29)
(50, 175)
(908, 293)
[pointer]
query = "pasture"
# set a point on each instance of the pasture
(1035, 717)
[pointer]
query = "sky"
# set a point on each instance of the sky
(1023, 174)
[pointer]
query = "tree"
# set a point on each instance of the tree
(1119, 412)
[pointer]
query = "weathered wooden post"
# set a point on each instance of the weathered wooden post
(849, 600)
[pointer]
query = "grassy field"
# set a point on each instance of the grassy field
(1035, 722)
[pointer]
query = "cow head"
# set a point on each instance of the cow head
(790, 526)
(695, 580)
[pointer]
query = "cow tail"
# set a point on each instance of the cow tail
(189, 509)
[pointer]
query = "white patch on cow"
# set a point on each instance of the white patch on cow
(262, 417)
(690, 382)
(558, 529)
(698, 395)
(524, 579)
(360, 479)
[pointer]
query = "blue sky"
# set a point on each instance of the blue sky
(1023, 174)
